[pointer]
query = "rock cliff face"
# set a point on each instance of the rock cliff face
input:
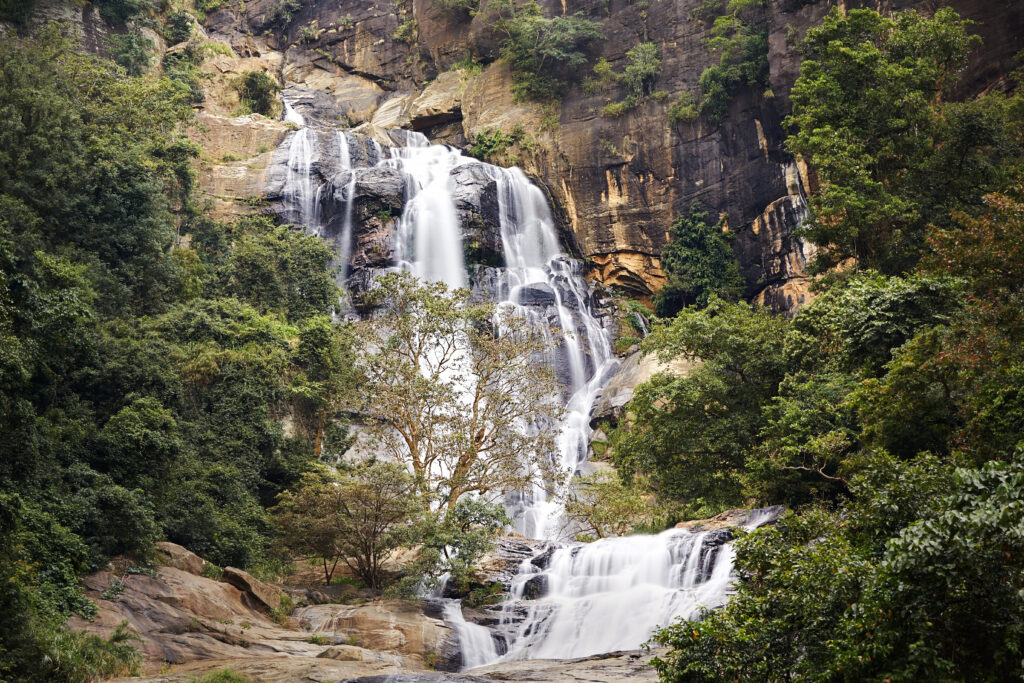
(618, 182)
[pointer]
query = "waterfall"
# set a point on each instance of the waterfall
(476, 645)
(533, 258)
(429, 240)
(574, 599)
(345, 238)
(299, 193)
(611, 594)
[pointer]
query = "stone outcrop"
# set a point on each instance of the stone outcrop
(237, 155)
(638, 368)
(395, 626)
(734, 518)
(198, 624)
(618, 182)
(173, 555)
(266, 595)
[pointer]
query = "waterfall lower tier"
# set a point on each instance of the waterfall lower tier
(611, 594)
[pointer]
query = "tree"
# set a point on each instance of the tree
(455, 389)
(693, 434)
(448, 547)
(600, 505)
(356, 517)
(698, 263)
(866, 114)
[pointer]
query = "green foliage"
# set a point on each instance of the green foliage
(317, 639)
(406, 32)
(600, 505)
(178, 27)
(257, 91)
(544, 54)
(222, 676)
(492, 144)
(450, 543)
(693, 434)
(123, 10)
(460, 7)
(617, 109)
(643, 65)
(917, 580)
(141, 384)
(282, 13)
(743, 62)
(683, 110)
(17, 12)
(698, 264)
(892, 156)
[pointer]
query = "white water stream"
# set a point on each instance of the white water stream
(588, 598)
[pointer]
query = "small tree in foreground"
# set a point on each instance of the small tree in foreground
(354, 517)
(600, 505)
(469, 409)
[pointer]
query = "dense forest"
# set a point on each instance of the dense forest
(168, 376)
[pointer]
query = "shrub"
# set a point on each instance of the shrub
(616, 109)
(257, 91)
(123, 10)
(131, 51)
(544, 53)
(178, 28)
(683, 110)
(282, 13)
(308, 32)
(76, 656)
(642, 68)
(317, 639)
(406, 32)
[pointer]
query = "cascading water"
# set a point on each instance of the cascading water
(299, 192)
(429, 240)
(534, 259)
(579, 599)
(610, 594)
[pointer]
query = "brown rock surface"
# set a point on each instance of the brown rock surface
(392, 626)
(173, 555)
(268, 596)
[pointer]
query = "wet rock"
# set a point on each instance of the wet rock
(476, 202)
(537, 294)
(535, 587)
(543, 560)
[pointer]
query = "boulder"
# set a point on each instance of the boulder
(174, 555)
(393, 626)
(440, 102)
(735, 518)
(638, 368)
(267, 595)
